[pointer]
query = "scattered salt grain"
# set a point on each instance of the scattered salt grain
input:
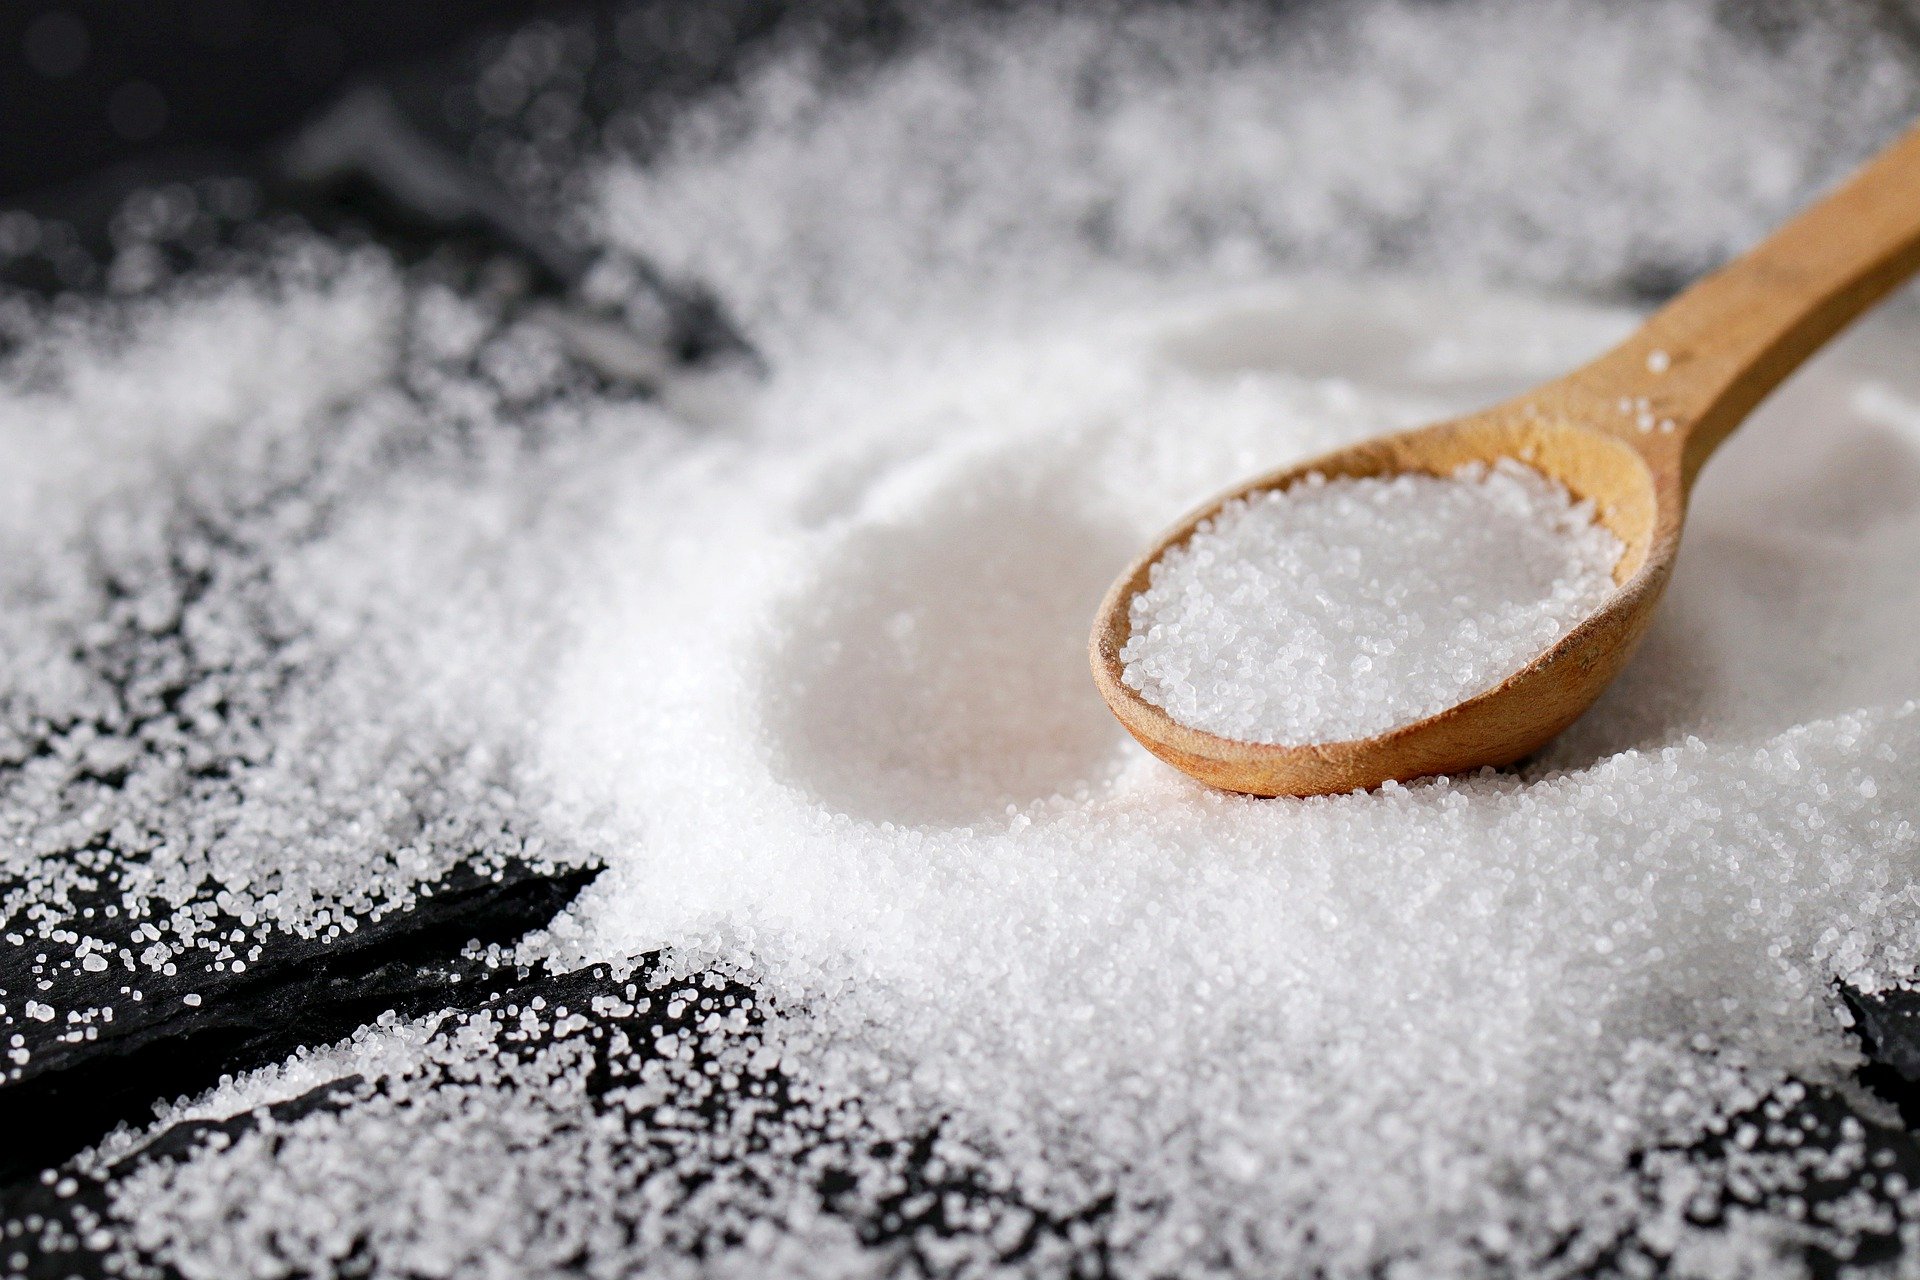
(1339, 609)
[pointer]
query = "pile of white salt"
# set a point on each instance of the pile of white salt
(1339, 609)
(875, 777)
(821, 702)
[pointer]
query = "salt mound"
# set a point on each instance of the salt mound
(1339, 609)
(1427, 1026)
(875, 777)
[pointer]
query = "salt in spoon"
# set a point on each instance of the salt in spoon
(1629, 432)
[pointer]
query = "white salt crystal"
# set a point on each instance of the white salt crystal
(1339, 609)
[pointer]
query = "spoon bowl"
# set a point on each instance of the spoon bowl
(1628, 432)
(1499, 726)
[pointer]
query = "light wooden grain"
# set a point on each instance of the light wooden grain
(1727, 342)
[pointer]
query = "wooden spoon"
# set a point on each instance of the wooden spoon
(1629, 431)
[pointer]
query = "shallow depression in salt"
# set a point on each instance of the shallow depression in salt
(827, 713)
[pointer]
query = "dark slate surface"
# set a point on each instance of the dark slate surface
(49, 1218)
(308, 992)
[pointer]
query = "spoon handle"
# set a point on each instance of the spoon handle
(1694, 371)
